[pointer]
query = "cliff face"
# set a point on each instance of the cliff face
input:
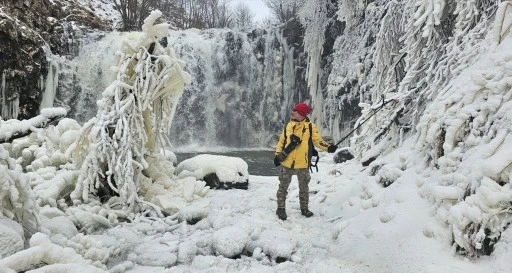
(28, 28)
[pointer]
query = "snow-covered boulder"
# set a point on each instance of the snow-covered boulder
(342, 155)
(59, 225)
(276, 244)
(217, 171)
(230, 241)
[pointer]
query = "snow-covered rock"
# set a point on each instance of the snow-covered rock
(216, 170)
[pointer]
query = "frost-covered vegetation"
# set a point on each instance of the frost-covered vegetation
(461, 130)
(133, 118)
(438, 72)
(110, 171)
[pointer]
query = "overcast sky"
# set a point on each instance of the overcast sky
(257, 6)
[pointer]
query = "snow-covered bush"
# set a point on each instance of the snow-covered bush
(134, 114)
(17, 202)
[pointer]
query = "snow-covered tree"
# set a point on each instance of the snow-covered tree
(439, 39)
(283, 10)
(243, 17)
(460, 130)
(133, 117)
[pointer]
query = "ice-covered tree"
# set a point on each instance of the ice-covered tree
(461, 130)
(16, 199)
(439, 39)
(134, 115)
(283, 10)
(243, 17)
(469, 142)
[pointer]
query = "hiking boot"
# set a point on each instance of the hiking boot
(306, 213)
(281, 214)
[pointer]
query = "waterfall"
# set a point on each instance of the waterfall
(243, 85)
(218, 108)
(288, 75)
(242, 91)
(51, 81)
(75, 81)
(92, 73)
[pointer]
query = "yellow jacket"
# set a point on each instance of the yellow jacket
(298, 158)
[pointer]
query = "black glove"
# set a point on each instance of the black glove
(332, 148)
(277, 162)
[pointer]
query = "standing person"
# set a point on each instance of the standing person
(293, 153)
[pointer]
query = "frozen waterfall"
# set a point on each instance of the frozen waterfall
(243, 84)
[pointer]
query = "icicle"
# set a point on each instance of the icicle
(5, 113)
(15, 107)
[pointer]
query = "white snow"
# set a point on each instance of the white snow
(444, 188)
(358, 226)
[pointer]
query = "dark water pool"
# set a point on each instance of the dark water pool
(260, 162)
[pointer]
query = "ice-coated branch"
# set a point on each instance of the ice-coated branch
(501, 30)
(13, 129)
(16, 199)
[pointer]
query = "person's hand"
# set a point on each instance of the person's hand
(332, 148)
(277, 162)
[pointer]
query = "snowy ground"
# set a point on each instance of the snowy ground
(358, 227)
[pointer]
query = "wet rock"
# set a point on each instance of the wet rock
(343, 155)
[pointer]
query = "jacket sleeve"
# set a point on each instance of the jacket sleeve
(280, 143)
(319, 142)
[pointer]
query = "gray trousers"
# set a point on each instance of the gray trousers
(285, 178)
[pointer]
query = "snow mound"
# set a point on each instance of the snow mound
(230, 241)
(275, 244)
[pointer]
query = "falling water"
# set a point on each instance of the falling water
(242, 88)
(243, 85)
(52, 78)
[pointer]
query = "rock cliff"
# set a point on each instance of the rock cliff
(30, 30)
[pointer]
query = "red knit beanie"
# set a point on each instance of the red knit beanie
(302, 108)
